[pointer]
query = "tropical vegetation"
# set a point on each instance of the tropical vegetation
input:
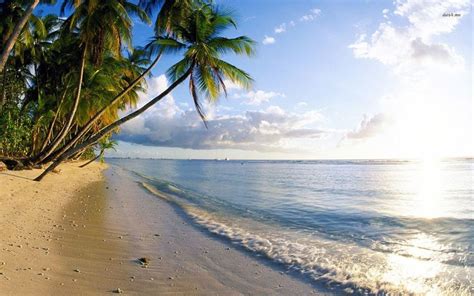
(66, 81)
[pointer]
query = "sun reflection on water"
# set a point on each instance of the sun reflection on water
(418, 268)
(417, 265)
(413, 275)
(425, 185)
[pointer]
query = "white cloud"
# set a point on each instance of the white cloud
(167, 107)
(230, 85)
(268, 40)
(271, 129)
(259, 97)
(252, 97)
(434, 53)
(426, 16)
(301, 104)
(280, 29)
(407, 47)
(370, 126)
(314, 13)
(419, 115)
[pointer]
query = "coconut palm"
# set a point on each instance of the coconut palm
(103, 27)
(170, 10)
(104, 144)
(106, 109)
(197, 35)
(16, 30)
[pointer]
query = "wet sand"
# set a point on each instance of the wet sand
(81, 234)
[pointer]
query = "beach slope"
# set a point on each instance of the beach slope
(83, 231)
(31, 216)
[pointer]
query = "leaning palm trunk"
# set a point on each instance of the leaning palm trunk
(15, 33)
(99, 114)
(3, 98)
(114, 125)
(94, 159)
(67, 127)
(53, 123)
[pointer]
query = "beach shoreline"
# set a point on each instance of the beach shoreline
(82, 231)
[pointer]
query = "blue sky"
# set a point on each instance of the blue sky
(333, 79)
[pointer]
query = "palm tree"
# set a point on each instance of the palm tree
(169, 10)
(11, 40)
(103, 144)
(174, 10)
(198, 36)
(103, 27)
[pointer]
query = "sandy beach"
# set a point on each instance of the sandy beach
(82, 231)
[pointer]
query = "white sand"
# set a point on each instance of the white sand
(80, 235)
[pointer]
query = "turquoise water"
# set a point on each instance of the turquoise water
(363, 227)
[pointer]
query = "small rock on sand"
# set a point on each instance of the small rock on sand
(144, 260)
(118, 291)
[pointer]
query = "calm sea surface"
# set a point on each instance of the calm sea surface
(387, 227)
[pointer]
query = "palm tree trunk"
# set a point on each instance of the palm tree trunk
(53, 123)
(94, 159)
(3, 99)
(99, 114)
(33, 139)
(78, 154)
(15, 33)
(112, 126)
(63, 134)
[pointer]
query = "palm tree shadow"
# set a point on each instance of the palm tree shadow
(16, 176)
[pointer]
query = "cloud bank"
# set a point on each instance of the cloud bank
(407, 47)
(168, 125)
(370, 127)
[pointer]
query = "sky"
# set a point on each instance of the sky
(333, 79)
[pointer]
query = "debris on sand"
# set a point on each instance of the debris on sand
(118, 291)
(143, 261)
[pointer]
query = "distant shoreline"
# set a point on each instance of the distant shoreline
(322, 159)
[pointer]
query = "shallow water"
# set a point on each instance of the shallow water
(387, 227)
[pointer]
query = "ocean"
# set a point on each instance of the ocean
(360, 226)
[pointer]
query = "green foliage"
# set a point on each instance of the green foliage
(197, 33)
(15, 132)
(50, 108)
(88, 154)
